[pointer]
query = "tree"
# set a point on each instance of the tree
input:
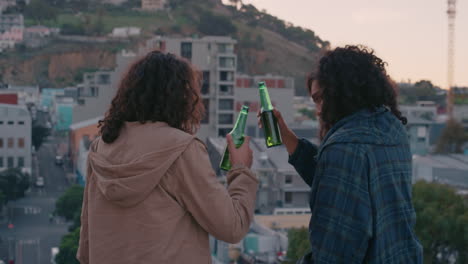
(421, 91)
(69, 204)
(215, 25)
(39, 133)
(68, 248)
(298, 243)
(452, 139)
(442, 222)
(40, 11)
(13, 184)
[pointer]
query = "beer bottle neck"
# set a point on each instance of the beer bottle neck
(265, 99)
(239, 127)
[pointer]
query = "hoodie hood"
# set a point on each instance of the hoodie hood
(130, 183)
(375, 127)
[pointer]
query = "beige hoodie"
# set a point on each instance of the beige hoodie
(152, 197)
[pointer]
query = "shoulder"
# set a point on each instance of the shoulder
(343, 154)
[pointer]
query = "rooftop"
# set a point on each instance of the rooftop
(85, 123)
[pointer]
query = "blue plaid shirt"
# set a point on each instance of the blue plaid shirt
(360, 179)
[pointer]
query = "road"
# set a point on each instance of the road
(33, 236)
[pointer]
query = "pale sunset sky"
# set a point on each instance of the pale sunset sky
(410, 35)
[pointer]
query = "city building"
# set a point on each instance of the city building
(280, 89)
(458, 101)
(262, 244)
(94, 95)
(15, 137)
(26, 94)
(11, 30)
(152, 5)
(11, 20)
(48, 96)
(86, 130)
(280, 186)
(446, 169)
(421, 120)
(4, 4)
(125, 32)
(39, 36)
(216, 59)
(63, 113)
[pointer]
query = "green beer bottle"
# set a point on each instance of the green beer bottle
(269, 122)
(237, 134)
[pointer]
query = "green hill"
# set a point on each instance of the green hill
(266, 44)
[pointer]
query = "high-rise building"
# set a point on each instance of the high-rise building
(216, 59)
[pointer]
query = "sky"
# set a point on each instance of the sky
(410, 35)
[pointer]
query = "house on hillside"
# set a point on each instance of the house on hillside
(11, 30)
(152, 5)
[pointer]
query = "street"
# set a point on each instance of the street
(32, 236)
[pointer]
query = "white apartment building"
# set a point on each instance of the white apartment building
(15, 137)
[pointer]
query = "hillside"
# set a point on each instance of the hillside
(266, 44)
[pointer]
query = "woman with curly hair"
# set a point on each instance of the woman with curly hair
(151, 195)
(360, 175)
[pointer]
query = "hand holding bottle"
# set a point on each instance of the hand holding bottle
(290, 139)
(241, 156)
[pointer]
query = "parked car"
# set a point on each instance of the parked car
(53, 253)
(40, 182)
(58, 160)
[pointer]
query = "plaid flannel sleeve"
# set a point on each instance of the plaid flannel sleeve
(303, 160)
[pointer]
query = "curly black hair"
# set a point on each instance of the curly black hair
(157, 87)
(350, 79)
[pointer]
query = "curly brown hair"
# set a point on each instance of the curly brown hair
(157, 87)
(350, 79)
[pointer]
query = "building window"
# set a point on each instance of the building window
(20, 162)
(222, 132)
(104, 79)
(226, 104)
(226, 62)
(10, 142)
(421, 139)
(1, 142)
(288, 179)
(422, 131)
(94, 91)
(225, 119)
(226, 76)
(20, 122)
(20, 142)
(11, 122)
(1, 162)
(225, 89)
(288, 197)
(206, 118)
(225, 48)
(1, 122)
(186, 50)
(206, 83)
(10, 162)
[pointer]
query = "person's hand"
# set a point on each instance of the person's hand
(241, 156)
(290, 139)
